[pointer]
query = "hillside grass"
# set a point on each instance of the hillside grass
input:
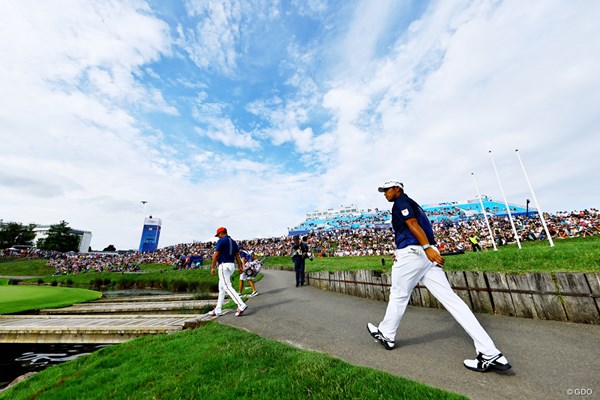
(25, 267)
(188, 281)
(15, 299)
(568, 255)
(167, 279)
(215, 361)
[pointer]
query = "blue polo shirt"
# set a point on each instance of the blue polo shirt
(228, 249)
(245, 255)
(405, 208)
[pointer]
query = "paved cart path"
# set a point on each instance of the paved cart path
(549, 358)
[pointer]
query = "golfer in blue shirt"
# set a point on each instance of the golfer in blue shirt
(226, 253)
(418, 260)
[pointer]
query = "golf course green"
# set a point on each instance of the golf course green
(15, 299)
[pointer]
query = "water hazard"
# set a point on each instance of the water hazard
(17, 359)
(20, 358)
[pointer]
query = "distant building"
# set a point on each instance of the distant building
(150, 235)
(85, 237)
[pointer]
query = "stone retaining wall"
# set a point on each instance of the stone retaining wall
(560, 296)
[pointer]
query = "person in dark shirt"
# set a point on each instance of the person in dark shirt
(226, 253)
(299, 256)
(418, 260)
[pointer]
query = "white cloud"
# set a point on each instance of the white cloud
(213, 42)
(224, 131)
(366, 29)
(346, 103)
(69, 72)
(466, 80)
(313, 8)
(119, 86)
(217, 127)
(217, 39)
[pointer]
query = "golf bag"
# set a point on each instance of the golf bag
(252, 268)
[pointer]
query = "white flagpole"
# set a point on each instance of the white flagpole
(506, 203)
(484, 214)
(540, 213)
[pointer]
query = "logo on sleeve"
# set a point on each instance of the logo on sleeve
(405, 212)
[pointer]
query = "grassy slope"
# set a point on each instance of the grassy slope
(215, 362)
(200, 280)
(568, 255)
(22, 298)
(194, 281)
(25, 267)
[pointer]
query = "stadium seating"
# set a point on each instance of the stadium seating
(453, 211)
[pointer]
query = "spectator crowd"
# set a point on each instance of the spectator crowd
(451, 236)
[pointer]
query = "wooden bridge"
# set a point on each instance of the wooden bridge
(106, 321)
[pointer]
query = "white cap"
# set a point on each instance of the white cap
(390, 184)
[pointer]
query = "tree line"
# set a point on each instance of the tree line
(60, 237)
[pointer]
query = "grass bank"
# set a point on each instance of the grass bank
(24, 298)
(167, 279)
(568, 255)
(245, 366)
(25, 267)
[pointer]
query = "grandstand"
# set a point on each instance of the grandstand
(351, 217)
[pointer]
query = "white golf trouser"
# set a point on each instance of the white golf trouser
(410, 267)
(225, 271)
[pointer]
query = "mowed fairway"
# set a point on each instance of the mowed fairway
(23, 298)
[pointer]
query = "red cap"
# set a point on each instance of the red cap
(221, 229)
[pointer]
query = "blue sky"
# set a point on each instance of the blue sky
(249, 114)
